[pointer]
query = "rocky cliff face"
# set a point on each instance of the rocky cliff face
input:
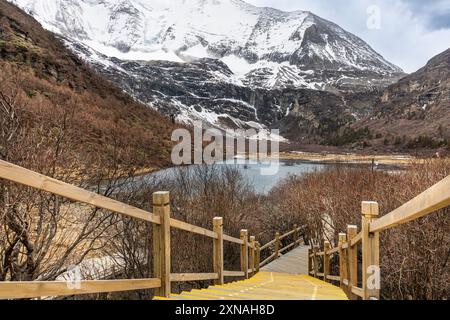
(203, 91)
(224, 62)
(53, 93)
(415, 111)
(420, 95)
(209, 28)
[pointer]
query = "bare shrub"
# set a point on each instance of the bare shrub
(198, 194)
(414, 257)
(42, 235)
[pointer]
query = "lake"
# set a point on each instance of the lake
(257, 173)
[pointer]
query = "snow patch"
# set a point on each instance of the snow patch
(133, 55)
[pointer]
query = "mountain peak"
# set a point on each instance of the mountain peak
(213, 59)
(207, 28)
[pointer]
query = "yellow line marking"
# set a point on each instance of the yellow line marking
(269, 285)
(314, 295)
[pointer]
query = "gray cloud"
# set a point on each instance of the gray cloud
(440, 21)
(435, 13)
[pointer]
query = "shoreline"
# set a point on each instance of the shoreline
(350, 158)
(399, 160)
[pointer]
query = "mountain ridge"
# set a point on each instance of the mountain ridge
(249, 57)
(55, 89)
(415, 111)
(247, 38)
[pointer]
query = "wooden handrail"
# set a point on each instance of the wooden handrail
(357, 291)
(177, 224)
(268, 244)
(267, 260)
(287, 247)
(322, 253)
(234, 273)
(356, 239)
(333, 278)
(431, 200)
(277, 241)
(38, 181)
(231, 239)
(33, 289)
(287, 234)
(161, 242)
(183, 277)
(333, 251)
(435, 198)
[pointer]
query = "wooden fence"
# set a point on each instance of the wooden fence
(433, 199)
(161, 255)
(296, 234)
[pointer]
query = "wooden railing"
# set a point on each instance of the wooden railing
(161, 255)
(276, 243)
(433, 199)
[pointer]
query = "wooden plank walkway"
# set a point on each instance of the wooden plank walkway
(267, 286)
(293, 262)
(283, 279)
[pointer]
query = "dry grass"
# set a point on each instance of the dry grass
(328, 157)
(414, 256)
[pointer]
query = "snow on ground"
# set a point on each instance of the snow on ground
(133, 55)
(183, 30)
(239, 66)
(210, 119)
(197, 51)
(160, 29)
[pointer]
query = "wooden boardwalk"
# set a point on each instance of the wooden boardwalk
(284, 279)
(293, 262)
(267, 286)
(284, 274)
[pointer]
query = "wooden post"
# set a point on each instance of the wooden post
(161, 242)
(326, 260)
(252, 254)
(295, 235)
(277, 245)
(218, 249)
(244, 252)
(352, 261)
(310, 266)
(342, 259)
(315, 262)
(370, 252)
(258, 256)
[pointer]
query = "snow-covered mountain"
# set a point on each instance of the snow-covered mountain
(262, 46)
(222, 61)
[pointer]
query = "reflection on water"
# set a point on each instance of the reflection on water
(263, 183)
(256, 172)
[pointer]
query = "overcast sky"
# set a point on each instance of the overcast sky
(408, 33)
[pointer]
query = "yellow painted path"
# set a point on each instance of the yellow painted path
(280, 280)
(267, 286)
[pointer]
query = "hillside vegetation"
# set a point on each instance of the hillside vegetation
(59, 118)
(48, 95)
